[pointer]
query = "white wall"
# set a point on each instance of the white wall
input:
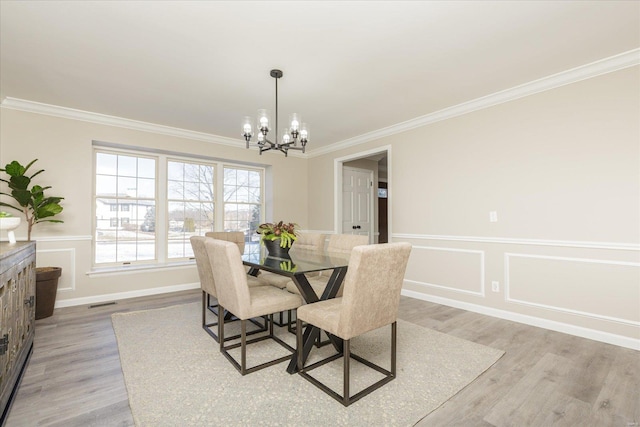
(562, 170)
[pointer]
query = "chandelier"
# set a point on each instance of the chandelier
(297, 132)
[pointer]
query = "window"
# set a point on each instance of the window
(243, 204)
(148, 205)
(190, 192)
(123, 180)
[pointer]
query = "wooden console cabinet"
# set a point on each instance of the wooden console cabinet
(17, 317)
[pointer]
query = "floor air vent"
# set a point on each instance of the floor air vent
(103, 304)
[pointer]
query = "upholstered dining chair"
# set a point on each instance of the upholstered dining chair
(304, 242)
(370, 301)
(236, 237)
(245, 302)
(207, 284)
(338, 244)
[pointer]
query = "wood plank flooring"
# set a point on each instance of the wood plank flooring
(545, 378)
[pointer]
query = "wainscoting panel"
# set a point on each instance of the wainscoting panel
(458, 270)
(601, 289)
(65, 258)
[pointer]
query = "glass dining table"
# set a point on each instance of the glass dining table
(297, 266)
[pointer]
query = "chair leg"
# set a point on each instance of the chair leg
(204, 308)
(347, 358)
(345, 399)
(221, 328)
(207, 326)
(241, 365)
(299, 343)
(243, 346)
(393, 348)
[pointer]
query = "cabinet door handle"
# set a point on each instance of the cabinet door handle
(4, 344)
(30, 301)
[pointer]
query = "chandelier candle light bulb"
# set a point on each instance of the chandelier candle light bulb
(263, 120)
(290, 137)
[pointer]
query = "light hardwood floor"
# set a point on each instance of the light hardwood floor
(545, 378)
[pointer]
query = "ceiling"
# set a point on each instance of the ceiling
(349, 67)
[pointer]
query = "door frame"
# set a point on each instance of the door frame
(337, 189)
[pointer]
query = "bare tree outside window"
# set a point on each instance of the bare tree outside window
(190, 204)
(242, 199)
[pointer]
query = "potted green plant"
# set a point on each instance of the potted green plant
(36, 208)
(31, 201)
(278, 237)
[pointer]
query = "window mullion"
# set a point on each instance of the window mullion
(162, 208)
(218, 203)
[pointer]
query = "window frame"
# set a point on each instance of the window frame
(161, 231)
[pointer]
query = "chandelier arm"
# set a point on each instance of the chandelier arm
(262, 149)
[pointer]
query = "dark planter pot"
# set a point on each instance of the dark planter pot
(274, 249)
(46, 288)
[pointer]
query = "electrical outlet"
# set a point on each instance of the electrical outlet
(493, 216)
(495, 286)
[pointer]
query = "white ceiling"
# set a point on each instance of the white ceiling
(349, 67)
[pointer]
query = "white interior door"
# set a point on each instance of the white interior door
(357, 198)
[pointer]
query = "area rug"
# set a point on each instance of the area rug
(176, 376)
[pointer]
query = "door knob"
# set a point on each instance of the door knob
(358, 227)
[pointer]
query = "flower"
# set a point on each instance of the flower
(286, 232)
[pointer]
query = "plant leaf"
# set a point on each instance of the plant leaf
(23, 197)
(48, 210)
(20, 182)
(14, 169)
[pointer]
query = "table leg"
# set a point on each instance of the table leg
(311, 333)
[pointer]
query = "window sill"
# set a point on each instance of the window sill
(134, 269)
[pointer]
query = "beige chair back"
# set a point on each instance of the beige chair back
(230, 276)
(204, 266)
(372, 287)
(310, 241)
(236, 237)
(344, 243)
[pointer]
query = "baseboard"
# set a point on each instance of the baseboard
(552, 325)
(124, 295)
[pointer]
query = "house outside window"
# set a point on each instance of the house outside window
(123, 179)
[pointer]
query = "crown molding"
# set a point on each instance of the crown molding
(103, 119)
(603, 66)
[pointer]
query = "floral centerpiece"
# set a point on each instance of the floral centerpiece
(285, 232)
